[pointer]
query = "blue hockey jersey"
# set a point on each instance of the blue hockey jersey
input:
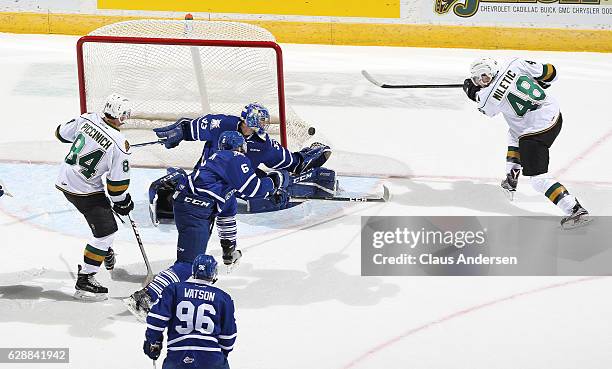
(200, 322)
(226, 172)
(261, 149)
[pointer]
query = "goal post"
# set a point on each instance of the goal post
(87, 87)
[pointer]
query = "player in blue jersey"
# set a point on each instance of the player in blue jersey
(261, 149)
(252, 123)
(206, 195)
(199, 318)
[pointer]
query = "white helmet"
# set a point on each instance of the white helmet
(483, 71)
(117, 107)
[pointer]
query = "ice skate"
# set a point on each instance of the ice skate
(231, 258)
(88, 288)
(139, 304)
(509, 184)
(578, 218)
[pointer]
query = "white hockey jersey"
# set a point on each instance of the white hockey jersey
(97, 148)
(516, 94)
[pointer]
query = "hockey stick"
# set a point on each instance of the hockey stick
(148, 143)
(149, 277)
(369, 77)
(385, 197)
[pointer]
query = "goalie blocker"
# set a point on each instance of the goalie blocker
(316, 183)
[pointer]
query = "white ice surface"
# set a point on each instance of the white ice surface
(301, 302)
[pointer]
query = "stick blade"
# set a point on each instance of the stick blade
(386, 194)
(369, 77)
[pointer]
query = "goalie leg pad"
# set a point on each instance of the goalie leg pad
(317, 183)
(313, 157)
(161, 192)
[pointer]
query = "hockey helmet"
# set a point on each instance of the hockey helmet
(204, 267)
(232, 140)
(117, 107)
(483, 71)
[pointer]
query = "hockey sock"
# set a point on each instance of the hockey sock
(226, 226)
(513, 158)
(179, 272)
(95, 252)
(555, 191)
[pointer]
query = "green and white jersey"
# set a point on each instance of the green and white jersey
(97, 149)
(516, 94)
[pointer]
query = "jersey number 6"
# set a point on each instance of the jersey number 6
(203, 324)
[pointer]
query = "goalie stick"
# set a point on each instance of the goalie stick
(369, 77)
(384, 198)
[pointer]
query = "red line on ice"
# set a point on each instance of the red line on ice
(380, 347)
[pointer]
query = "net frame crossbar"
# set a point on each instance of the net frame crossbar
(188, 42)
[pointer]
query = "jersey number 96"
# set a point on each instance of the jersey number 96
(194, 319)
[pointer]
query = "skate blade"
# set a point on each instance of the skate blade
(234, 265)
(90, 296)
(583, 221)
(130, 304)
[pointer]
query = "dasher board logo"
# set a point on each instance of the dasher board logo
(467, 8)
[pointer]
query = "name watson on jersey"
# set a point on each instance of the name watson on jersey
(429, 259)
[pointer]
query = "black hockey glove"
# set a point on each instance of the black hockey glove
(124, 207)
(543, 84)
(152, 349)
(470, 89)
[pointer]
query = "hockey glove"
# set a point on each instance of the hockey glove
(280, 178)
(174, 133)
(543, 84)
(124, 207)
(152, 349)
(470, 89)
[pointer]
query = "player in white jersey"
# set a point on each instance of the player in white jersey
(98, 149)
(516, 90)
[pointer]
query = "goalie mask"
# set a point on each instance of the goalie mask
(117, 107)
(483, 71)
(256, 116)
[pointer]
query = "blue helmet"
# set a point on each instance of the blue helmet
(232, 140)
(204, 267)
(256, 116)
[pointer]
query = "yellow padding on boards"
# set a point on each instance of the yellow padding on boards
(331, 8)
(334, 33)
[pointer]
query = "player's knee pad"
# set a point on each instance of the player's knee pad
(317, 183)
(541, 182)
(102, 243)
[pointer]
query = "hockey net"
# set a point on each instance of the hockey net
(171, 69)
